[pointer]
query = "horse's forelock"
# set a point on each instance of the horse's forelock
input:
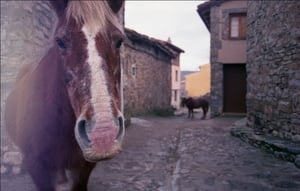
(95, 15)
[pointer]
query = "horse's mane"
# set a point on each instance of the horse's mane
(95, 14)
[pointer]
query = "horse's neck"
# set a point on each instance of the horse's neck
(43, 78)
(49, 68)
(24, 71)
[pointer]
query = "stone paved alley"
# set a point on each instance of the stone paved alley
(180, 154)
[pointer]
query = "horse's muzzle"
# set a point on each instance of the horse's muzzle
(99, 141)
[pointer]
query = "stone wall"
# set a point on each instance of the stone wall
(26, 30)
(273, 68)
(150, 88)
(216, 102)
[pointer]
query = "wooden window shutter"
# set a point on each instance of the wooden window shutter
(238, 26)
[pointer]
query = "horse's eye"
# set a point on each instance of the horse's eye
(119, 43)
(68, 77)
(61, 43)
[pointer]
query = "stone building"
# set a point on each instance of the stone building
(175, 74)
(147, 67)
(226, 21)
(273, 68)
(26, 33)
(271, 51)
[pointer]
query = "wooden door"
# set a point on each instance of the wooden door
(234, 88)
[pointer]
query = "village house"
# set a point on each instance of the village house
(151, 71)
(183, 92)
(176, 74)
(226, 21)
(260, 75)
(175, 70)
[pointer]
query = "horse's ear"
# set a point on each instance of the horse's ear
(116, 5)
(59, 6)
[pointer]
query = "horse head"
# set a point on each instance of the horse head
(88, 38)
(183, 101)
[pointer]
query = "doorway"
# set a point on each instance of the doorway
(235, 88)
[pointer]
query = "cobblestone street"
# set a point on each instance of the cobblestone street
(180, 154)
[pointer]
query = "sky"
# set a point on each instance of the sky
(178, 20)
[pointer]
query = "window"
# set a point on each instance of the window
(133, 70)
(176, 76)
(237, 26)
(175, 95)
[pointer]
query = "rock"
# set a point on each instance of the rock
(241, 122)
(3, 169)
(141, 122)
(297, 161)
(16, 170)
(296, 138)
(282, 155)
(275, 133)
(4, 149)
(12, 158)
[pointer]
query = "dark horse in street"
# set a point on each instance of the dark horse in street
(64, 112)
(195, 102)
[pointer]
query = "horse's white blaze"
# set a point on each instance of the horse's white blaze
(100, 97)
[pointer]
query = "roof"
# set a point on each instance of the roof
(165, 46)
(204, 11)
(184, 73)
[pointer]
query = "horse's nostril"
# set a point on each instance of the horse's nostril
(82, 130)
(81, 124)
(121, 127)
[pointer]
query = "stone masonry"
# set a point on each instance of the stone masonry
(273, 68)
(26, 30)
(149, 89)
(216, 102)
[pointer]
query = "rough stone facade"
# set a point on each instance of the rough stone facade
(216, 101)
(273, 68)
(147, 75)
(26, 30)
(223, 50)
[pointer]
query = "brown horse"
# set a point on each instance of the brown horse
(64, 112)
(191, 103)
